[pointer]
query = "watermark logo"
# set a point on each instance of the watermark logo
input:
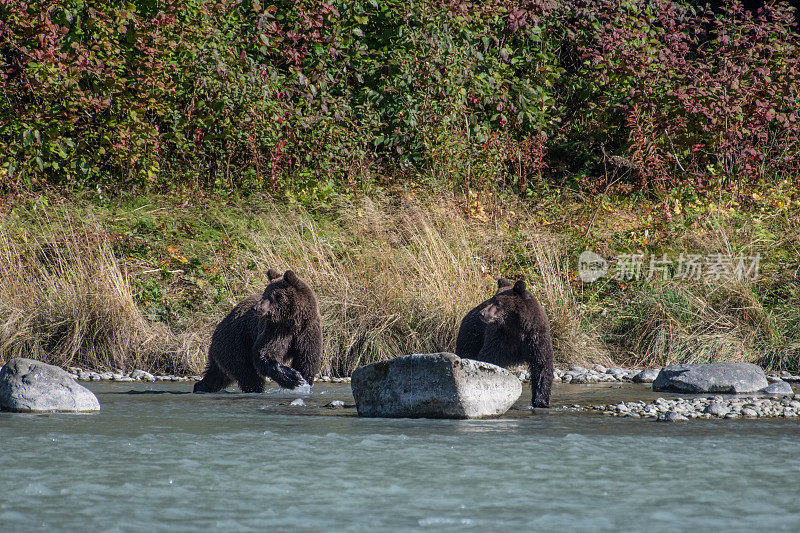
(633, 267)
(591, 266)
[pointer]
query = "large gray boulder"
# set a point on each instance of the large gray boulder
(439, 385)
(31, 386)
(728, 378)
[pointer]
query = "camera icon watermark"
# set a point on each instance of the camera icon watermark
(633, 267)
(591, 266)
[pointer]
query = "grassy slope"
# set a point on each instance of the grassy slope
(141, 282)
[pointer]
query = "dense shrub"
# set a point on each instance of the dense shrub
(698, 93)
(304, 97)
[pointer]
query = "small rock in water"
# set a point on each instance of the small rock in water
(298, 402)
(671, 416)
(335, 404)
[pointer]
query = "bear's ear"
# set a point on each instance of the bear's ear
(519, 287)
(273, 274)
(291, 278)
(502, 283)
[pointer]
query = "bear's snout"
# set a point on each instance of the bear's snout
(489, 314)
(263, 307)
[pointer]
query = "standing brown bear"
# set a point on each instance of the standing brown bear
(277, 334)
(511, 328)
(472, 330)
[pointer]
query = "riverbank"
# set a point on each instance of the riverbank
(140, 282)
(575, 375)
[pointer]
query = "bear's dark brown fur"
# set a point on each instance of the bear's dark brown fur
(277, 334)
(511, 328)
(471, 332)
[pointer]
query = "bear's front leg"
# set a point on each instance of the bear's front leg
(266, 357)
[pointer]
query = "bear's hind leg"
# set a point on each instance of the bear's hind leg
(249, 380)
(214, 380)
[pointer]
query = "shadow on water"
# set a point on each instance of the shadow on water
(150, 391)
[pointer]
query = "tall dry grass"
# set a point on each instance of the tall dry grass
(398, 281)
(65, 299)
(392, 277)
(574, 340)
(682, 321)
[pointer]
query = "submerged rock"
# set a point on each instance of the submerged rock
(440, 385)
(730, 378)
(30, 386)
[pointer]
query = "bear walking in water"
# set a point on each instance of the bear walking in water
(277, 334)
(511, 328)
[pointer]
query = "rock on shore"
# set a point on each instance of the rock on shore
(646, 376)
(440, 385)
(727, 378)
(31, 386)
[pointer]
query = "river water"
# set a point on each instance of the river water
(159, 459)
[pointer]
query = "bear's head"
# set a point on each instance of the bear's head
(287, 300)
(510, 307)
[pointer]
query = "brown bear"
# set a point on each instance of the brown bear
(511, 328)
(470, 334)
(277, 334)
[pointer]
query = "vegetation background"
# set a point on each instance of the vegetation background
(157, 157)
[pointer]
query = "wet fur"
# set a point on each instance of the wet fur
(277, 334)
(514, 329)
(473, 329)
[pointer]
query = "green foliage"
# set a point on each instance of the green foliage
(311, 99)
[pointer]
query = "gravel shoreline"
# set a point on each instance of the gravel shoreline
(672, 410)
(575, 374)
(80, 374)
